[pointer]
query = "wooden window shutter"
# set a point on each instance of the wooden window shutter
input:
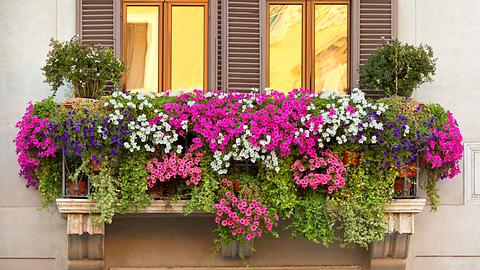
(374, 22)
(98, 22)
(239, 46)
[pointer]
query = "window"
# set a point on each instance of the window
(308, 44)
(165, 44)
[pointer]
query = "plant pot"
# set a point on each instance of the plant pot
(77, 103)
(78, 188)
(96, 166)
(236, 186)
(351, 158)
(163, 190)
(402, 186)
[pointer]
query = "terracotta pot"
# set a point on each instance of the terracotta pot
(351, 158)
(236, 186)
(79, 188)
(163, 190)
(96, 166)
(402, 186)
(76, 103)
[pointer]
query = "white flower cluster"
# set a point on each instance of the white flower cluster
(159, 134)
(348, 116)
(141, 131)
(243, 150)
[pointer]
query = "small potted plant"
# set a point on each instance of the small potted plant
(85, 67)
(398, 69)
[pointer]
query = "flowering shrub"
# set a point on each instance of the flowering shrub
(33, 142)
(173, 166)
(444, 150)
(324, 170)
(241, 217)
(406, 131)
(262, 127)
(281, 149)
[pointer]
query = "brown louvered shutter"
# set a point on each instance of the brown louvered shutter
(376, 21)
(219, 52)
(240, 45)
(98, 22)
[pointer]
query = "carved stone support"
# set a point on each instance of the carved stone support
(391, 253)
(238, 250)
(85, 242)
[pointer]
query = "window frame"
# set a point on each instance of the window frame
(165, 37)
(308, 39)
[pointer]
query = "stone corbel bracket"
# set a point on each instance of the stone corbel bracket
(391, 253)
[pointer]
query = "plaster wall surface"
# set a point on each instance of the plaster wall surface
(29, 238)
(188, 242)
(448, 239)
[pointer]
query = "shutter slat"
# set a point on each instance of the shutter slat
(97, 24)
(375, 19)
(242, 69)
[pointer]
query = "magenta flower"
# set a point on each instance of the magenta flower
(33, 143)
(324, 170)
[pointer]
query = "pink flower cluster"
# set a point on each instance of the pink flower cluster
(444, 150)
(276, 116)
(242, 217)
(324, 170)
(173, 166)
(33, 141)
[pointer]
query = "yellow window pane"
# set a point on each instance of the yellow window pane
(142, 48)
(331, 47)
(187, 47)
(285, 67)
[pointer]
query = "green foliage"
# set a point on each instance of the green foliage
(359, 206)
(45, 108)
(205, 195)
(50, 180)
(87, 68)
(312, 220)
(398, 69)
(278, 189)
(120, 189)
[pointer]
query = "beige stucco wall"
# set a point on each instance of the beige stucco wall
(33, 239)
(188, 242)
(29, 238)
(448, 239)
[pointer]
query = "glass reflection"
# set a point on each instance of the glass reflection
(285, 47)
(142, 48)
(187, 47)
(331, 47)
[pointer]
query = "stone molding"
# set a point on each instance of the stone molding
(390, 253)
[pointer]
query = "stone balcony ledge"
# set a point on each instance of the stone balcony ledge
(399, 214)
(83, 232)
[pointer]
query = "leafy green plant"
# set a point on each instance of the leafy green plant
(87, 68)
(204, 196)
(49, 175)
(398, 69)
(312, 220)
(279, 189)
(358, 208)
(120, 189)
